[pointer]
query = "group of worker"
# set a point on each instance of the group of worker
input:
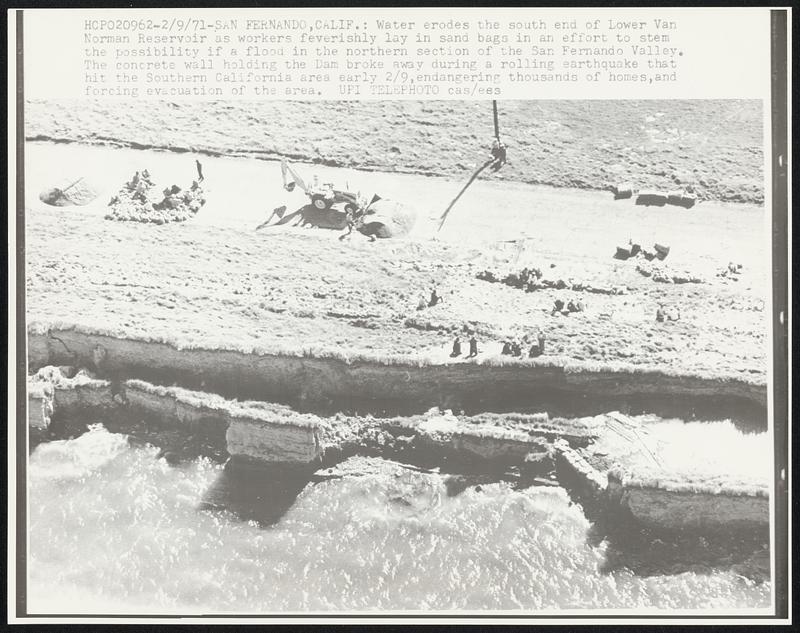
(473, 347)
(667, 314)
(514, 347)
(433, 300)
(570, 307)
(511, 347)
(139, 184)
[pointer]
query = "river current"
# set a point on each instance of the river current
(115, 528)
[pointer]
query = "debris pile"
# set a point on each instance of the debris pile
(532, 279)
(665, 274)
(71, 192)
(731, 271)
(634, 249)
(136, 201)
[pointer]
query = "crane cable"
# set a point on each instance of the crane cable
(477, 172)
(496, 122)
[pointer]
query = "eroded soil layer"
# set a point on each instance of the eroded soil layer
(330, 383)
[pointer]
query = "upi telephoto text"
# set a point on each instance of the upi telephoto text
(347, 58)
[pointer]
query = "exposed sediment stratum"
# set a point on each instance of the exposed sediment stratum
(371, 383)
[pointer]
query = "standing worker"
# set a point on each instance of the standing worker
(199, 170)
(473, 347)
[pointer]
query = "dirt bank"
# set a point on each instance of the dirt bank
(711, 147)
(304, 292)
(375, 386)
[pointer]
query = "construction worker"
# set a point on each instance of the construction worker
(473, 347)
(199, 166)
(498, 154)
(435, 298)
(574, 306)
(558, 306)
(134, 181)
(141, 191)
(660, 313)
(456, 348)
(506, 349)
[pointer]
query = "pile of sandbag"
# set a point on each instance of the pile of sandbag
(137, 201)
(651, 198)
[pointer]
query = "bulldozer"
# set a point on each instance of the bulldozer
(322, 196)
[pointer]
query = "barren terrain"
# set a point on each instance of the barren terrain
(215, 282)
(711, 147)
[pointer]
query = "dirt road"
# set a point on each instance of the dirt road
(215, 280)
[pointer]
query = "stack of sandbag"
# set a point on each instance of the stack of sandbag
(136, 201)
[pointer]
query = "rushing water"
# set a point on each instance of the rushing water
(113, 527)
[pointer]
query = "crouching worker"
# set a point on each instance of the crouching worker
(456, 348)
(537, 349)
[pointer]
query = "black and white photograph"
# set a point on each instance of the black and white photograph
(398, 357)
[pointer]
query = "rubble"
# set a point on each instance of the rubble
(662, 273)
(532, 279)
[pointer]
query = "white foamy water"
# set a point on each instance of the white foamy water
(113, 528)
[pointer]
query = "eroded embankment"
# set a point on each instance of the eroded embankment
(525, 447)
(335, 385)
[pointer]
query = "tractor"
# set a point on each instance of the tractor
(322, 196)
